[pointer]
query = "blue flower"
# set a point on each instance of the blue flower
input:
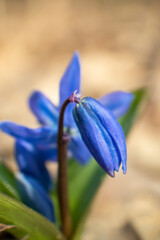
(33, 179)
(44, 139)
(102, 134)
(47, 113)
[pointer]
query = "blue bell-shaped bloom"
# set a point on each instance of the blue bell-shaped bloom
(102, 134)
(47, 113)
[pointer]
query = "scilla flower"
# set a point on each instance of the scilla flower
(33, 179)
(44, 138)
(47, 113)
(102, 134)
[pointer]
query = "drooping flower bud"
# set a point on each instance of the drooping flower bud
(102, 134)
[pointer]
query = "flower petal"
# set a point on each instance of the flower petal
(102, 134)
(34, 195)
(79, 150)
(118, 102)
(114, 128)
(97, 140)
(69, 83)
(38, 135)
(44, 109)
(30, 162)
(48, 151)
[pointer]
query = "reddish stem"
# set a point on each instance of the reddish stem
(62, 175)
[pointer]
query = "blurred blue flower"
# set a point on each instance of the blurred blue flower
(30, 162)
(33, 179)
(102, 134)
(34, 195)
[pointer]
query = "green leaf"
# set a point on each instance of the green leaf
(8, 182)
(26, 221)
(83, 185)
(84, 181)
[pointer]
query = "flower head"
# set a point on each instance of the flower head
(102, 134)
(44, 139)
(33, 179)
(47, 113)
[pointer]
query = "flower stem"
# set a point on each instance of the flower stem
(62, 175)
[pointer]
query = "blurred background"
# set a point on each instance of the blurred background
(119, 45)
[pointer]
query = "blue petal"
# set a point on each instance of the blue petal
(48, 151)
(38, 135)
(118, 102)
(30, 161)
(102, 134)
(34, 196)
(96, 139)
(44, 109)
(78, 149)
(69, 83)
(115, 130)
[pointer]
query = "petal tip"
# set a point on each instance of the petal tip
(111, 173)
(124, 171)
(34, 95)
(76, 55)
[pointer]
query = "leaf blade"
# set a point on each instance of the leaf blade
(26, 221)
(8, 182)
